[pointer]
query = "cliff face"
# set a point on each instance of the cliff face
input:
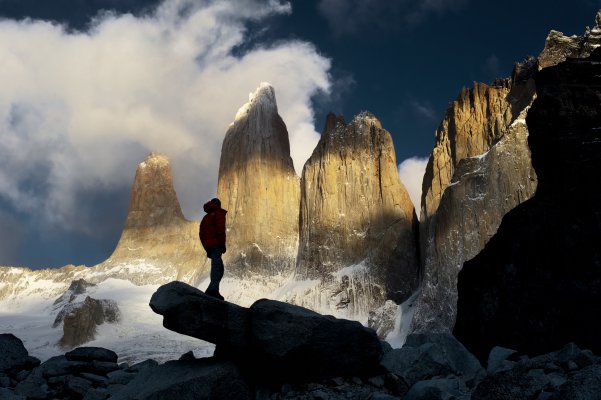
(260, 189)
(156, 237)
(537, 283)
(491, 173)
(357, 222)
(479, 169)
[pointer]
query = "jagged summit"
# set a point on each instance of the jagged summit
(260, 189)
(261, 100)
(559, 47)
(153, 199)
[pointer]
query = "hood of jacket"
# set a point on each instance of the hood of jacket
(210, 207)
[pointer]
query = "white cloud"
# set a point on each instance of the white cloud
(411, 172)
(80, 110)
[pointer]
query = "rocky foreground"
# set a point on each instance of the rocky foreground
(274, 350)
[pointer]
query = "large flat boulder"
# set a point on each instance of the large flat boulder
(288, 341)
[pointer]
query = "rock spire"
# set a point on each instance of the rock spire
(357, 222)
(156, 233)
(260, 189)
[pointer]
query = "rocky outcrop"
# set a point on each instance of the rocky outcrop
(157, 244)
(357, 223)
(559, 47)
(479, 169)
(290, 342)
(427, 367)
(260, 190)
(537, 284)
(80, 320)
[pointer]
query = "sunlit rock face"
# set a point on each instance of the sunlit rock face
(260, 190)
(479, 169)
(156, 238)
(558, 47)
(357, 237)
(537, 284)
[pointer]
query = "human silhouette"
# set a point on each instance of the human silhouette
(212, 238)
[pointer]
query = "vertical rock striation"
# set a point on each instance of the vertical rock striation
(537, 284)
(260, 189)
(357, 223)
(156, 237)
(480, 169)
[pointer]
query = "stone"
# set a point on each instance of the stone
(383, 319)
(34, 388)
(120, 377)
(142, 365)
(497, 359)
(77, 387)
(358, 226)
(7, 394)
(14, 354)
(435, 355)
(435, 389)
(104, 367)
(91, 354)
(537, 284)
(97, 394)
(512, 384)
(584, 385)
(189, 311)
(259, 188)
(156, 232)
(297, 343)
(187, 380)
(81, 319)
(96, 380)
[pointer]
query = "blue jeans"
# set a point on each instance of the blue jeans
(216, 269)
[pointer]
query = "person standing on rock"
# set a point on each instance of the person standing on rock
(212, 238)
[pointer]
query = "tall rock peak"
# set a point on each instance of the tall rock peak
(153, 200)
(260, 189)
(156, 232)
(356, 220)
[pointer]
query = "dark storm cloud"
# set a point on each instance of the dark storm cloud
(351, 16)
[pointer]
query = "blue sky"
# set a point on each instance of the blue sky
(91, 87)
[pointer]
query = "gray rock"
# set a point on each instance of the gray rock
(97, 394)
(189, 311)
(300, 343)
(516, 383)
(104, 367)
(14, 355)
(34, 387)
(438, 389)
(97, 380)
(7, 394)
(584, 385)
(382, 396)
(77, 387)
(142, 365)
(426, 356)
(187, 380)
(121, 377)
(556, 380)
(5, 381)
(377, 381)
(497, 359)
(81, 319)
(91, 354)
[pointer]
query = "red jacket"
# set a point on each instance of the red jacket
(212, 226)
